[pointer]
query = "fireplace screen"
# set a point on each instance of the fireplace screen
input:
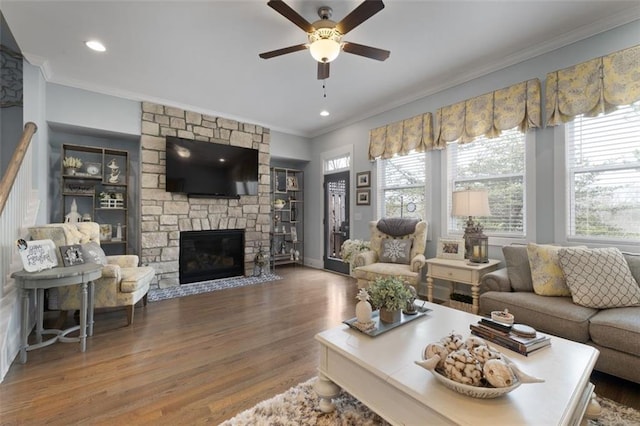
(210, 255)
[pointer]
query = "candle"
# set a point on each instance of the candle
(476, 251)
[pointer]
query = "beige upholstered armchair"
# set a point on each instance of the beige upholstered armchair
(397, 249)
(123, 282)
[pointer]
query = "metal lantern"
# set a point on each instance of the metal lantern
(479, 244)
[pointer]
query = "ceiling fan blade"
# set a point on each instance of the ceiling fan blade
(366, 10)
(283, 51)
(283, 9)
(366, 51)
(323, 70)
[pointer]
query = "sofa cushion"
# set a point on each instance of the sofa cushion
(546, 274)
(599, 278)
(633, 260)
(136, 278)
(617, 328)
(396, 250)
(518, 268)
(553, 315)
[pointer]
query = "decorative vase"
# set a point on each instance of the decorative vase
(70, 171)
(363, 311)
(390, 316)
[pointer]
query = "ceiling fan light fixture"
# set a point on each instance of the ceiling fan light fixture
(324, 43)
(324, 50)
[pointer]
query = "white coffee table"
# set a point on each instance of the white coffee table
(381, 373)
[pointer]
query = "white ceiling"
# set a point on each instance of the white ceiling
(203, 55)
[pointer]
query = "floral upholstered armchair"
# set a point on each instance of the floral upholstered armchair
(397, 249)
(123, 282)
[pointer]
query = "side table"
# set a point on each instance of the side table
(459, 271)
(57, 277)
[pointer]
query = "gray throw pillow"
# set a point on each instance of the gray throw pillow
(518, 268)
(93, 253)
(396, 250)
(599, 278)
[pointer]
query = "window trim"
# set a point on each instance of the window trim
(529, 199)
(562, 202)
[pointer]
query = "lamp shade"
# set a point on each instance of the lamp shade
(324, 50)
(470, 202)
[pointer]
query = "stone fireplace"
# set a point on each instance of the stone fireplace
(166, 215)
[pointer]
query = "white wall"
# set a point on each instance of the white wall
(82, 108)
(34, 110)
(358, 134)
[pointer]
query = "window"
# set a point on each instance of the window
(337, 164)
(603, 176)
(402, 186)
(499, 166)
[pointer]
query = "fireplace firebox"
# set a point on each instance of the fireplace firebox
(210, 255)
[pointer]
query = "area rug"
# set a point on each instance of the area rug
(157, 294)
(299, 406)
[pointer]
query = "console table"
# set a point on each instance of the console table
(57, 277)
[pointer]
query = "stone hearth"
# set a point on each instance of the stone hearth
(165, 214)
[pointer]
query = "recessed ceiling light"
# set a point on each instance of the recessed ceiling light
(95, 45)
(324, 113)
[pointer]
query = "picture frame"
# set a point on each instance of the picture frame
(363, 197)
(105, 232)
(72, 255)
(449, 248)
(37, 255)
(363, 179)
(292, 183)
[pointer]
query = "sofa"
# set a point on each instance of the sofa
(396, 249)
(591, 309)
(123, 282)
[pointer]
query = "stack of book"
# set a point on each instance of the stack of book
(503, 335)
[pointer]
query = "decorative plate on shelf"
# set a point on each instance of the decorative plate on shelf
(93, 169)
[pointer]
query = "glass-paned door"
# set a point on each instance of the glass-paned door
(336, 220)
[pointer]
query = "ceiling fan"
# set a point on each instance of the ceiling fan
(325, 35)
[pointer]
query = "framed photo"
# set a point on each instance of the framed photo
(362, 197)
(292, 183)
(72, 255)
(363, 179)
(105, 232)
(450, 249)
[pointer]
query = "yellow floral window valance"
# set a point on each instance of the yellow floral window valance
(593, 87)
(401, 137)
(489, 114)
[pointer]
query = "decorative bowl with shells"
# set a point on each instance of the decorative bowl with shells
(468, 390)
(514, 377)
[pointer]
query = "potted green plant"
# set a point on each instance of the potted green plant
(390, 295)
(71, 165)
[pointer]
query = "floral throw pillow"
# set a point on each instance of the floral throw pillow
(599, 278)
(396, 250)
(546, 274)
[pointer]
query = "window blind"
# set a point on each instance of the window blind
(603, 164)
(499, 166)
(402, 182)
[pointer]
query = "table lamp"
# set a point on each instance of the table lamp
(469, 203)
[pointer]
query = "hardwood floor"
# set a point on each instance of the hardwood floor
(195, 360)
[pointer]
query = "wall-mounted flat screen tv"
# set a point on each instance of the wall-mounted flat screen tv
(207, 169)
